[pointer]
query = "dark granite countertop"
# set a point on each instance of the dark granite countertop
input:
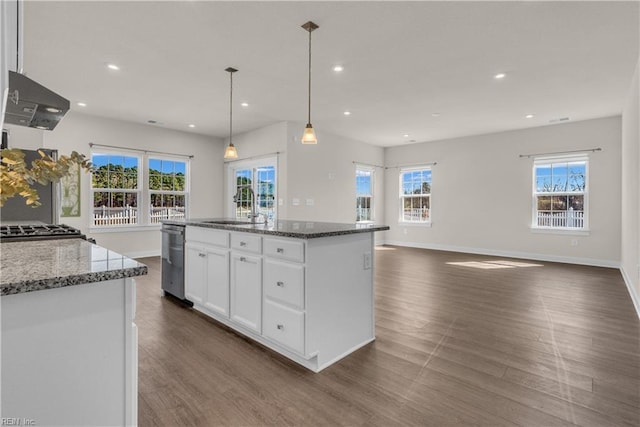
(47, 264)
(285, 228)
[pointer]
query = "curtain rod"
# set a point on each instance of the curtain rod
(367, 164)
(589, 150)
(91, 144)
(406, 165)
(255, 157)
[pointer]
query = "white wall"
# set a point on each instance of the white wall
(481, 196)
(630, 256)
(77, 130)
(324, 172)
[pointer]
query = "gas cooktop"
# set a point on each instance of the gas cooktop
(38, 232)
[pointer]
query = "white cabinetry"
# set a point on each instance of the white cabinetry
(207, 269)
(246, 290)
(310, 300)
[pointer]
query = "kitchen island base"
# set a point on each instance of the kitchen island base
(310, 300)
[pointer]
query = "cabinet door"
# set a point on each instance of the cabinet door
(217, 274)
(246, 291)
(195, 258)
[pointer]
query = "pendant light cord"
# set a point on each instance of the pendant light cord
(231, 108)
(309, 118)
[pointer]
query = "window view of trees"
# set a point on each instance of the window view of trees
(117, 189)
(415, 195)
(560, 194)
(264, 188)
(364, 194)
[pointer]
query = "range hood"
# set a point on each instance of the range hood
(33, 105)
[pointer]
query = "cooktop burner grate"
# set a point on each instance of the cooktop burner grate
(45, 231)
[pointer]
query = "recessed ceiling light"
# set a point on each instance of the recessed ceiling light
(192, 125)
(113, 67)
(42, 127)
(338, 68)
(529, 116)
(435, 114)
(245, 104)
(499, 76)
(406, 135)
(347, 113)
(81, 104)
(53, 110)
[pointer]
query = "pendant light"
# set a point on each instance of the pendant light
(231, 152)
(309, 135)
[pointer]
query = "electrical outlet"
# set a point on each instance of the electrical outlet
(367, 260)
(280, 201)
(295, 202)
(404, 231)
(310, 202)
(574, 242)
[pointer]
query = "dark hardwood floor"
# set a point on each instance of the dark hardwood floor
(491, 341)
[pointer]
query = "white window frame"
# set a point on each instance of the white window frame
(253, 164)
(149, 191)
(402, 196)
(372, 171)
(144, 193)
(538, 161)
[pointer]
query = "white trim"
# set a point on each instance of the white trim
(123, 228)
(509, 254)
(427, 224)
(632, 292)
(565, 231)
(142, 254)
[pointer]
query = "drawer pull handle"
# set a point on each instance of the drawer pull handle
(281, 327)
(243, 259)
(280, 250)
(201, 255)
(243, 243)
(280, 284)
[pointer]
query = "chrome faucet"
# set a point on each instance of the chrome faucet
(253, 215)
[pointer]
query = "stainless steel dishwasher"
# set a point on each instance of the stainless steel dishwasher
(173, 260)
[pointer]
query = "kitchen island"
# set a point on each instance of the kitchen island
(303, 289)
(69, 341)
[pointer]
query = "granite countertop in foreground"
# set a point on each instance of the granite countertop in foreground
(47, 264)
(285, 228)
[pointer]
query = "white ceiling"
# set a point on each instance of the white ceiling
(403, 62)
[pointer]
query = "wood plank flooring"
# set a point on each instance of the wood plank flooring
(461, 340)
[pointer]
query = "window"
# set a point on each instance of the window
(167, 189)
(115, 189)
(126, 193)
(258, 178)
(560, 193)
(364, 194)
(415, 195)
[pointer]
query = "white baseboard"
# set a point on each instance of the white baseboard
(632, 291)
(142, 254)
(509, 254)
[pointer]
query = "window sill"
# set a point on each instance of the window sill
(561, 231)
(124, 228)
(414, 224)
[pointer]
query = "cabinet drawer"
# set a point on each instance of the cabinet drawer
(284, 326)
(292, 250)
(246, 242)
(209, 236)
(284, 282)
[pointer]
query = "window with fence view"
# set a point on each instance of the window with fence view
(415, 195)
(560, 193)
(364, 194)
(261, 181)
(167, 189)
(119, 189)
